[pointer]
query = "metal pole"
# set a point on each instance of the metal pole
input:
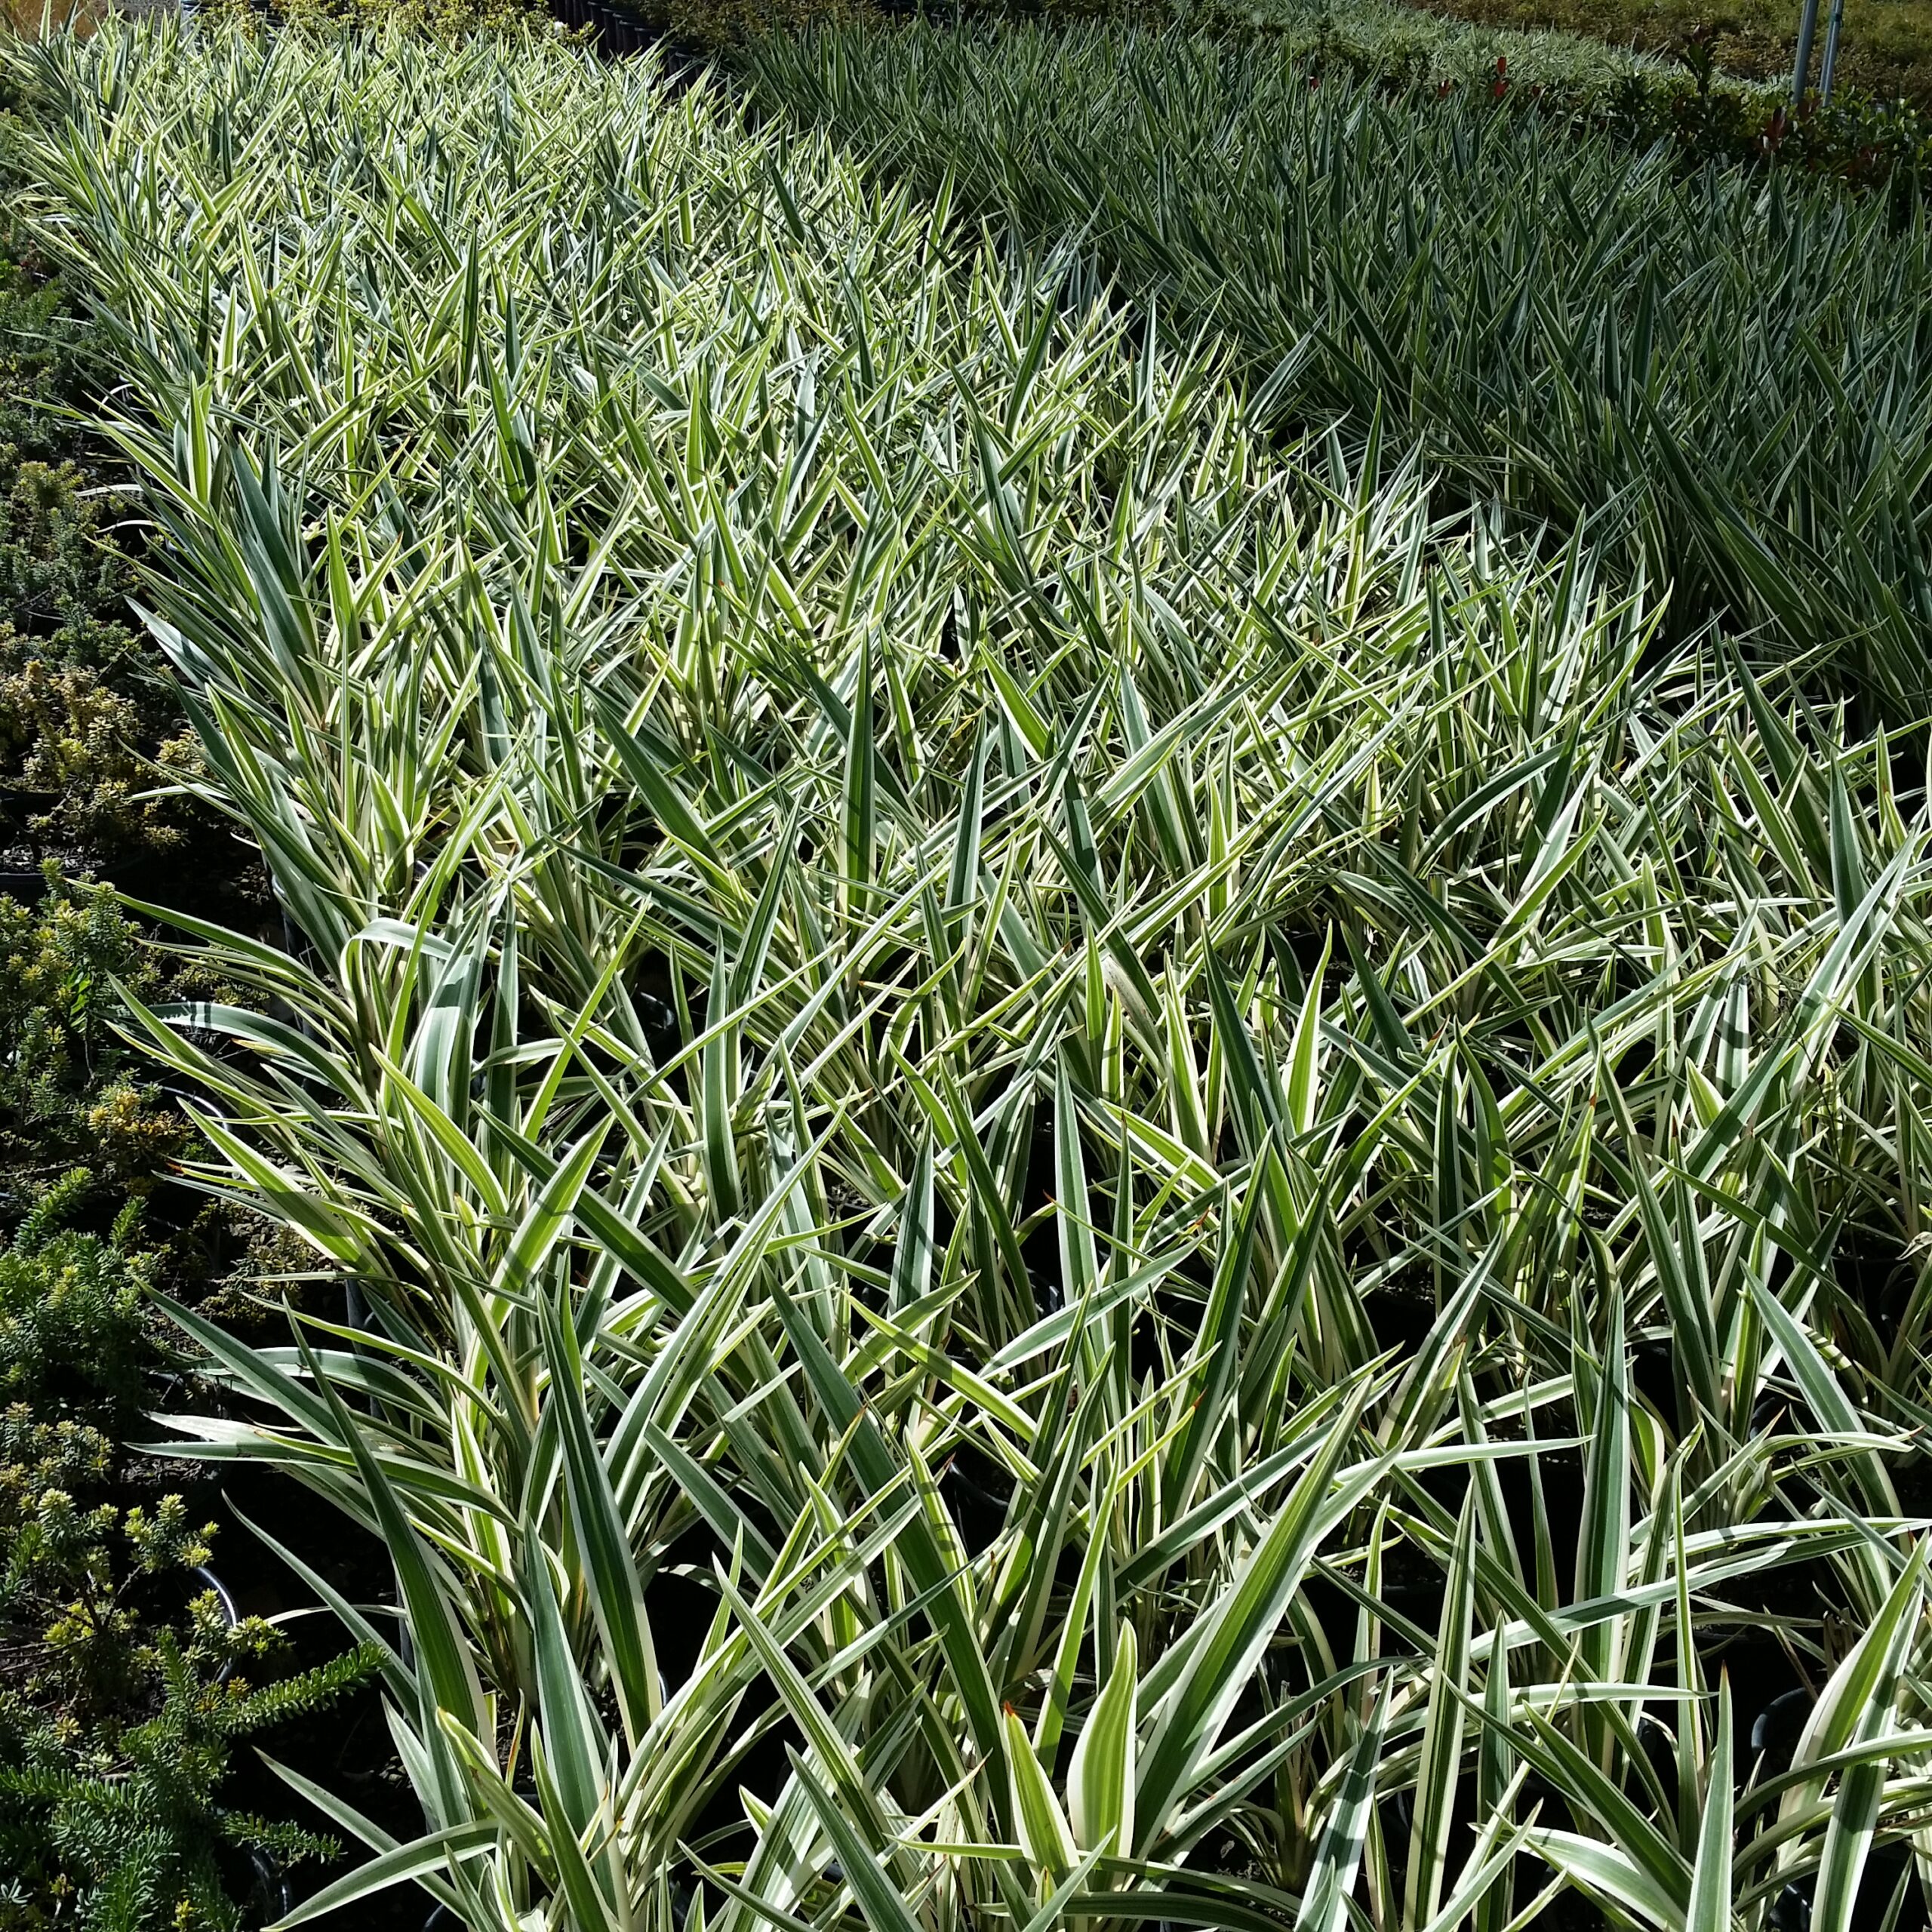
(1831, 60)
(1807, 27)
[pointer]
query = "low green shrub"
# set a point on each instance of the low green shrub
(133, 1835)
(84, 726)
(54, 561)
(1885, 52)
(68, 1090)
(84, 716)
(49, 360)
(121, 1707)
(1705, 113)
(71, 1335)
(124, 1694)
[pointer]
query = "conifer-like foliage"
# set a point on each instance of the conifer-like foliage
(124, 1682)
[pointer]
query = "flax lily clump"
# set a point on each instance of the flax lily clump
(1728, 369)
(1098, 1178)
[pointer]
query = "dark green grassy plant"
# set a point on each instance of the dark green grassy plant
(1727, 378)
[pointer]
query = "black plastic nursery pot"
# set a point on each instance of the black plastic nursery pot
(618, 31)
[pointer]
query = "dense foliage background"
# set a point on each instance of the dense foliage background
(1054, 899)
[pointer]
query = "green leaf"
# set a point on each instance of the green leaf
(1100, 1780)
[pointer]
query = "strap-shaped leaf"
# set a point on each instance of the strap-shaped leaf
(1100, 1780)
